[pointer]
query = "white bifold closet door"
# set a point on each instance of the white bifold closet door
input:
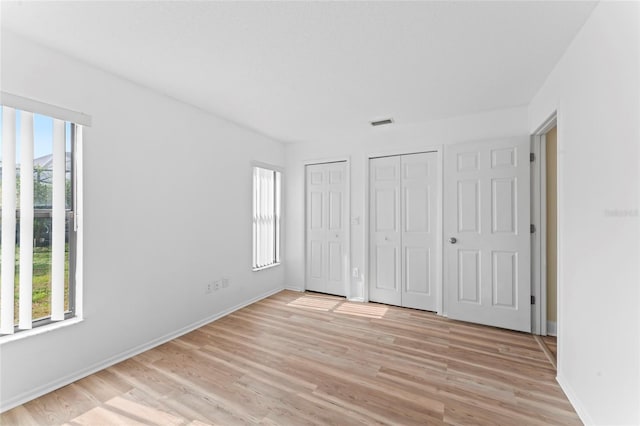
(403, 230)
(326, 225)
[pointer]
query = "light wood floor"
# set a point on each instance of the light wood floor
(298, 359)
(552, 345)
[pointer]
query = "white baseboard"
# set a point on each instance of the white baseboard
(552, 329)
(24, 397)
(294, 288)
(575, 401)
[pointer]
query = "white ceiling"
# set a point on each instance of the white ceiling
(311, 71)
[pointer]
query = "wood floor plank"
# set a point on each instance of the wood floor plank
(548, 346)
(313, 359)
(20, 415)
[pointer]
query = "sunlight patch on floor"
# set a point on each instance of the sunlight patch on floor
(103, 416)
(361, 310)
(339, 306)
(136, 410)
(121, 411)
(316, 303)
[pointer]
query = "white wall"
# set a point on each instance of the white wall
(395, 138)
(167, 209)
(595, 89)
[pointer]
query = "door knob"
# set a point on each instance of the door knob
(453, 240)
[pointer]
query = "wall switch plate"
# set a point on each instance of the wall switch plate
(355, 273)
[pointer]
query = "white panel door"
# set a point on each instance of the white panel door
(316, 226)
(419, 227)
(326, 228)
(335, 236)
(385, 283)
(403, 228)
(487, 239)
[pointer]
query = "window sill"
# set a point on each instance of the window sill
(25, 334)
(262, 268)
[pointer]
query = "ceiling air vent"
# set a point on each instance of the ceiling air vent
(382, 122)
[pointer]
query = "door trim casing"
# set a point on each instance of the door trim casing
(347, 271)
(438, 149)
(539, 219)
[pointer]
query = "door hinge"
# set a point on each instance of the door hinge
(532, 157)
(533, 300)
(532, 229)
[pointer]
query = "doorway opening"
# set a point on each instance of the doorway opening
(545, 241)
(551, 236)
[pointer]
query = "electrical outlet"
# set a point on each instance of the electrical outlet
(225, 282)
(216, 285)
(207, 289)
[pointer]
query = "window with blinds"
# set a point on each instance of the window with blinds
(266, 217)
(38, 232)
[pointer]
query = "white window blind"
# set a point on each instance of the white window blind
(44, 219)
(26, 221)
(7, 278)
(266, 217)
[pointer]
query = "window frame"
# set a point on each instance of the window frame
(277, 213)
(73, 215)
